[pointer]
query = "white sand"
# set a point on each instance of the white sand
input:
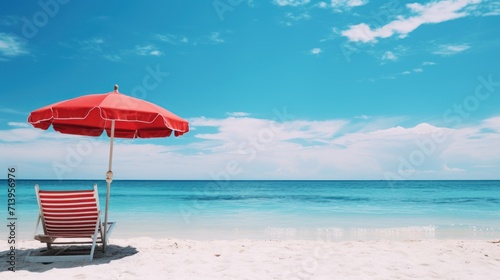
(146, 258)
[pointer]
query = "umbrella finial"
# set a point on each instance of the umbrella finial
(116, 88)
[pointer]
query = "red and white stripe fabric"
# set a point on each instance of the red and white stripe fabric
(69, 214)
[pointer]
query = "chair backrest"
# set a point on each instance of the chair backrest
(69, 214)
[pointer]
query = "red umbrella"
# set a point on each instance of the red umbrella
(120, 115)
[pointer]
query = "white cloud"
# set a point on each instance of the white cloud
(388, 55)
(237, 114)
(156, 53)
(453, 169)
(113, 57)
(12, 45)
(361, 148)
(215, 38)
(316, 51)
(148, 50)
(491, 123)
(340, 149)
(351, 3)
(27, 134)
(433, 12)
(414, 70)
(166, 38)
(292, 18)
(293, 3)
(418, 69)
(448, 50)
(492, 9)
(301, 16)
(322, 5)
(12, 111)
(18, 124)
(343, 4)
(172, 39)
(181, 40)
(92, 44)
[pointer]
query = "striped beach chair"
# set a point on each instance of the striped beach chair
(69, 218)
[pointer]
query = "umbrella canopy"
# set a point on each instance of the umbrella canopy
(92, 114)
(120, 115)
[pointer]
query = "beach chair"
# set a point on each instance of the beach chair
(69, 218)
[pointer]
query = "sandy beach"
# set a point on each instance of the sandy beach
(148, 258)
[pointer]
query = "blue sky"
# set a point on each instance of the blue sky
(274, 89)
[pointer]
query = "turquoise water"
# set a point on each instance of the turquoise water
(337, 210)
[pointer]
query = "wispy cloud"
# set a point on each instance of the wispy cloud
(389, 56)
(12, 111)
(489, 8)
(18, 124)
(291, 18)
(292, 3)
(448, 50)
(418, 69)
(23, 133)
(12, 46)
(322, 5)
(343, 5)
(235, 130)
(98, 46)
(430, 13)
(251, 3)
(215, 38)
(172, 39)
(181, 40)
(316, 51)
(92, 44)
(9, 20)
(81, 48)
(363, 117)
(238, 114)
(452, 169)
(89, 45)
(414, 70)
(113, 57)
(148, 50)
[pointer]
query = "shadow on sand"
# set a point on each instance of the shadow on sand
(113, 252)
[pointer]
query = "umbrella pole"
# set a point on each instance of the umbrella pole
(109, 179)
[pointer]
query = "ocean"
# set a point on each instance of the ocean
(328, 210)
